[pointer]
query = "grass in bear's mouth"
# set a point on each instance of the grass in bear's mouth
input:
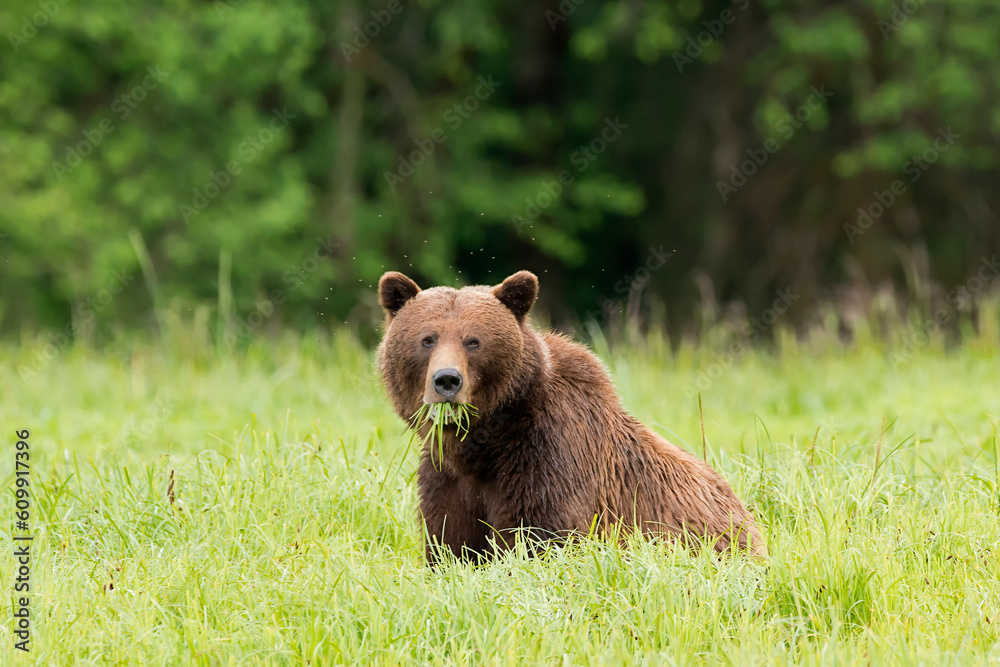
(438, 415)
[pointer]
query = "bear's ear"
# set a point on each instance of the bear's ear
(518, 293)
(394, 290)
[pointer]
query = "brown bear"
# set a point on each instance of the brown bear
(552, 453)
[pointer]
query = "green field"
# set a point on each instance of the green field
(259, 507)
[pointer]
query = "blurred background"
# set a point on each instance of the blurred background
(257, 166)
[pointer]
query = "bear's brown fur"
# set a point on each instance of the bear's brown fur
(552, 451)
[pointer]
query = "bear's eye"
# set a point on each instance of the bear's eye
(472, 343)
(428, 341)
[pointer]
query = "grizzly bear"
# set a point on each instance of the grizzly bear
(551, 452)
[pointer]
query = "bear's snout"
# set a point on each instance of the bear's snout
(447, 382)
(447, 377)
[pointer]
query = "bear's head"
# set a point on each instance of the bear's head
(466, 345)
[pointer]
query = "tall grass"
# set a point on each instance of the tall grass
(258, 507)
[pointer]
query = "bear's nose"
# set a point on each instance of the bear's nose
(447, 382)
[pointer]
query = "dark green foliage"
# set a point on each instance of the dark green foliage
(316, 123)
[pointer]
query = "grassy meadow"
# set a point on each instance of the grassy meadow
(259, 507)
